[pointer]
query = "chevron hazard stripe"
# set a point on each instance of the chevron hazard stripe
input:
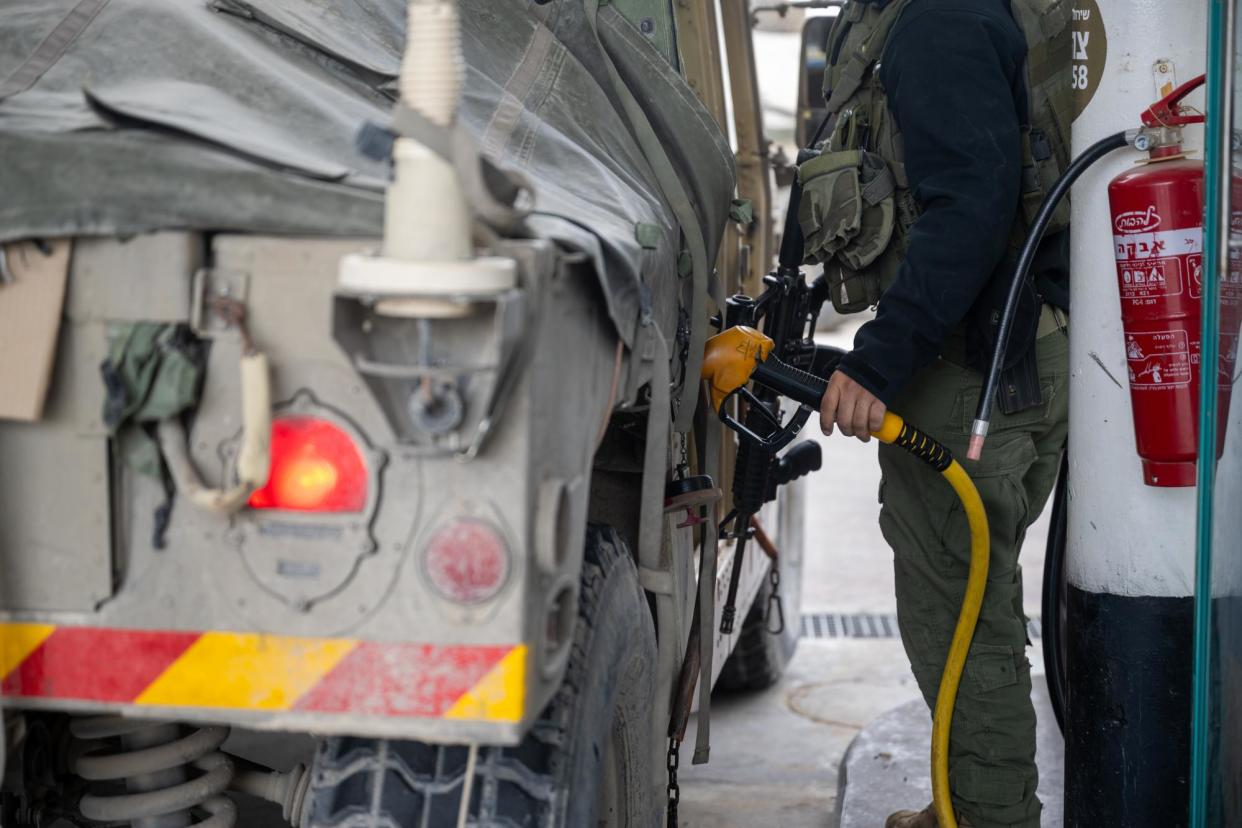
(255, 672)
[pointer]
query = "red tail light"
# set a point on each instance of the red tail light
(467, 561)
(316, 467)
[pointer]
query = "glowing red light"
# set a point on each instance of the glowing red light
(316, 467)
(467, 561)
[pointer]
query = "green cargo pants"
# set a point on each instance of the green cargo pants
(992, 744)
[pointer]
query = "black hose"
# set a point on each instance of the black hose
(1022, 270)
(1052, 603)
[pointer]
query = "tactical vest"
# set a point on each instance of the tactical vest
(857, 209)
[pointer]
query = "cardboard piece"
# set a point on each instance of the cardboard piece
(30, 314)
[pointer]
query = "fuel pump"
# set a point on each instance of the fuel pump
(1157, 221)
(1156, 213)
(1166, 426)
(1126, 573)
(1129, 550)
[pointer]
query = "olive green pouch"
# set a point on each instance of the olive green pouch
(847, 214)
(1040, 172)
(830, 211)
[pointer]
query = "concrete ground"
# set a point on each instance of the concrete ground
(776, 755)
(886, 766)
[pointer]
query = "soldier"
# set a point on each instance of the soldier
(947, 123)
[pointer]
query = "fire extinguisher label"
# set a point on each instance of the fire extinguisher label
(1157, 264)
(1158, 359)
(1144, 282)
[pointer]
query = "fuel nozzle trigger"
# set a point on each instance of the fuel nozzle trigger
(780, 435)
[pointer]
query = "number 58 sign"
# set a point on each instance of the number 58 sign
(1090, 44)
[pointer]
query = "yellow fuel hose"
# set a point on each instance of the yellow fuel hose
(739, 354)
(896, 432)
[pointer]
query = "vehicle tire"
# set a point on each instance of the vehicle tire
(586, 761)
(759, 659)
(1053, 608)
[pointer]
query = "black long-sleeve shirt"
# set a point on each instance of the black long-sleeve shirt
(954, 76)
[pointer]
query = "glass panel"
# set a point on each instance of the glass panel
(1217, 784)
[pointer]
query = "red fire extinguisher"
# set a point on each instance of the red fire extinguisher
(1157, 213)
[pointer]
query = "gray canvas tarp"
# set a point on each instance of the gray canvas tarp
(241, 115)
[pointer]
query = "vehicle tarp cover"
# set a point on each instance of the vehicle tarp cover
(119, 117)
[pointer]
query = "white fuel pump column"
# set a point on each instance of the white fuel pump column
(1130, 552)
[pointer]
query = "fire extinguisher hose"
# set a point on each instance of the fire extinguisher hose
(1030, 246)
(809, 390)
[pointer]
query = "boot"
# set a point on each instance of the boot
(925, 818)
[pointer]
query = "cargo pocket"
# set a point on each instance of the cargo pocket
(847, 214)
(962, 416)
(991, 667)
(988, 786)
(999, 477)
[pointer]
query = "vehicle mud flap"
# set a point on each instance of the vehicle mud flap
(708, 547)
(683, 210)
(655, 575)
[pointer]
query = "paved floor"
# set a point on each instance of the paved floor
(776, 754)
(885, 768)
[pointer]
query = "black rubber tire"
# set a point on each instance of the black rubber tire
(760, 658)
(555, 777)
(1052, 614)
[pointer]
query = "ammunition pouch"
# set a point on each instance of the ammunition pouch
(1040, 171)
(848, 213)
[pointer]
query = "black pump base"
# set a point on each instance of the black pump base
(1127, 734)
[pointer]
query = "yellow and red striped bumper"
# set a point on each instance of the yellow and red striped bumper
(254, 673)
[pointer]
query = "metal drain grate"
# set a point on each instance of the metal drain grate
(865, 625)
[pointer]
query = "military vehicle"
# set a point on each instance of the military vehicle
(283, 537)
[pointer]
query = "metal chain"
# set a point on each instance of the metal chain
(774, 602)
(674, 792)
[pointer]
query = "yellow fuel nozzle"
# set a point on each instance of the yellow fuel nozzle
(729, 359)
(737, 355)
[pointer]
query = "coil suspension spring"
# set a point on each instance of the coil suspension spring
(174, 774)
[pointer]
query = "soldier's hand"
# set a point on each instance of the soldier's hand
(853, 408)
